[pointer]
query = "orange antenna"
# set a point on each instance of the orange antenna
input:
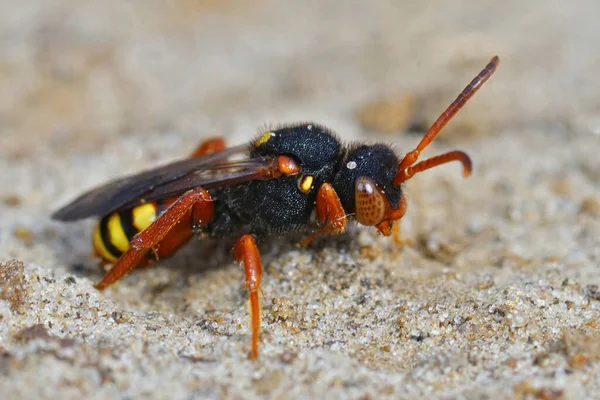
(456, 155)
(405, 171)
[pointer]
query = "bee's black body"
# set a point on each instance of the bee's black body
(288, 173)
(278, 205)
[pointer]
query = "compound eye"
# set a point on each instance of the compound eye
(369, 201)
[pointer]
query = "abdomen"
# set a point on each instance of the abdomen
(114, 232)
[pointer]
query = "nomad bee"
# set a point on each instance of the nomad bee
(287, 174)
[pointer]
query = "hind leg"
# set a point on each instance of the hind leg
(195, 204)
(209, 146)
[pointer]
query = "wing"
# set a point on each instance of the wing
(208, 171)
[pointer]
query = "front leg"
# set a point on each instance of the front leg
(396, 235)
(330, 213)
(245, 250)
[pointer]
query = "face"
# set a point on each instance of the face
(364, 186)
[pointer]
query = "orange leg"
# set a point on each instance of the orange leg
(396, 227)
(245, 250)
(385, 226)
(397, 236)
(198, 200)
(330, 213)
(177, 237)
(209, 146)
(181, 233)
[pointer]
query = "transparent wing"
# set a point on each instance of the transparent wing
(208, 171)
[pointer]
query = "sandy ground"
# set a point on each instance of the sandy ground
(496, 298)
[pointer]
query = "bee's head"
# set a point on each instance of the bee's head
(364, 183)
(368, 182)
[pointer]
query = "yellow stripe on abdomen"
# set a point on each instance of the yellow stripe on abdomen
(116, 234)
(100, 248)
(143, 216)
(115, 231)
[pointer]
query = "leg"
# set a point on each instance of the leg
(385, 227)
(177, 236)
(198, 200)
(330, 213)
(245, 250)
(397, 236)
(209, 146)
(181, 233)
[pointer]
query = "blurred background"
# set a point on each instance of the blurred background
(87, 72)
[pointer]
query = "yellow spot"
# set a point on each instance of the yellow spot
(116, 235)
(143, 216)
(264, 138)
(100, 248)
(305, 183)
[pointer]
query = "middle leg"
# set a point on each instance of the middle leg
(330, 214)
(245, 250)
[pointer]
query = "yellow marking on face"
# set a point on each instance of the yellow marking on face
(116, 235)
(264, 138)
(99, 246)
(143, 216)
(305, 183)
